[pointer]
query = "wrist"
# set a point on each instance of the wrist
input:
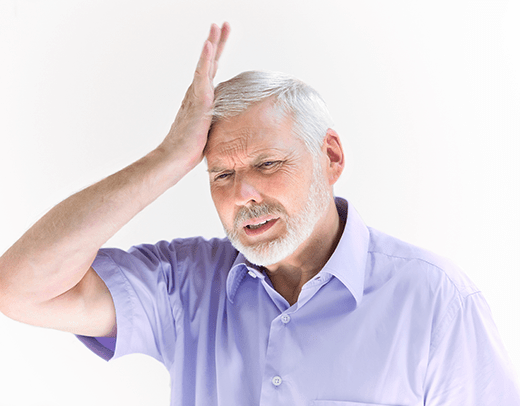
(180, 154)
(174, 164)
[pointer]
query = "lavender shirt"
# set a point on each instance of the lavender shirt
(383, 323)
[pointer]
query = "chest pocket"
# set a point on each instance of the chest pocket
(343, 403)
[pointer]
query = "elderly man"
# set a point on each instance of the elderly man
(302, 304)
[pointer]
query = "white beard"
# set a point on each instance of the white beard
(299, 226)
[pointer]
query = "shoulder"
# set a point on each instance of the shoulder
(194, 247)
(186, 251)
(390, 257)
(179, 254)
(177, 267)
(430, 287)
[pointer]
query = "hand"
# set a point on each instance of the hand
(189, 132)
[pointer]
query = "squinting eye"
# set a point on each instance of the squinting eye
(222, 176)
(269, 164)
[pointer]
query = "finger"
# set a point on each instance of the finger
(214, 38)
(205, 61)
(224, 34)
(214, 35)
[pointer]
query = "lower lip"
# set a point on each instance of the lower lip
(257, 231)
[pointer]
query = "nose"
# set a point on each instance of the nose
(246, 192)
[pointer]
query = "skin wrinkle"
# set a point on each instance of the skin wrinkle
(244, 134)
(234, 156)
(239, 146)
(282, 162)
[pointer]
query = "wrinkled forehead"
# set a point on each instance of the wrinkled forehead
(262, 126)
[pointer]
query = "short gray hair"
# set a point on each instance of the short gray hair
(294, 98)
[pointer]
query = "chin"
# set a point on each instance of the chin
(265, 257)
(270, 252)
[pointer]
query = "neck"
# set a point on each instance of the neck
(289, 275)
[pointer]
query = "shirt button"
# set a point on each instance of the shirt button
(286, 318)
(251, 273)
(277, 381)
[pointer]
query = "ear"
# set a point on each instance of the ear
(333, 153)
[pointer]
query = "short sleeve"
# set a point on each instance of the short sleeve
(139, 281)
(468, 363)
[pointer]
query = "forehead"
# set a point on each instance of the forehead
(262, 129)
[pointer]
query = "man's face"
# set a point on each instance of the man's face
(267, 189)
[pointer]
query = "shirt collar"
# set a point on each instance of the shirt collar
(240, 269)
(347, 263)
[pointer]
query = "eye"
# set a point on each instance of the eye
(269, 164)
(223, 176)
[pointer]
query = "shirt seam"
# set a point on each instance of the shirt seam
(462, 295)
(452, 308)
(174, 320)
(237, 281)
(127, 287)
(447, 320)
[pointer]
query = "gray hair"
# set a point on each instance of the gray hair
(291, 95)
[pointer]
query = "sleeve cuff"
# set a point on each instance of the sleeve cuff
(110, 348)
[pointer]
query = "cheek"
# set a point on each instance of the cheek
(222, 202)
(296, 186)
(290, 184)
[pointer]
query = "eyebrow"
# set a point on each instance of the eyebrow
(255, 161)
(215, 169)
(263, 156)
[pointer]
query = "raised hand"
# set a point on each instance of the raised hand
(188, 134)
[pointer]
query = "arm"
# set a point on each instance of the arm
(46, 277)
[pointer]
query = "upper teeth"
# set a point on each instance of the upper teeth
(257, 225)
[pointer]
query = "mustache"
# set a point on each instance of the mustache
(258, 210)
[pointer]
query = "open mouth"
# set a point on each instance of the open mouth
(255, 226)
(259, 228)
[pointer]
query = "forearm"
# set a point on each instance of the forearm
(54, 255)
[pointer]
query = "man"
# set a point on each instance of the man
(302, 303)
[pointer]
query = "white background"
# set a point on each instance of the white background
(425, 95)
